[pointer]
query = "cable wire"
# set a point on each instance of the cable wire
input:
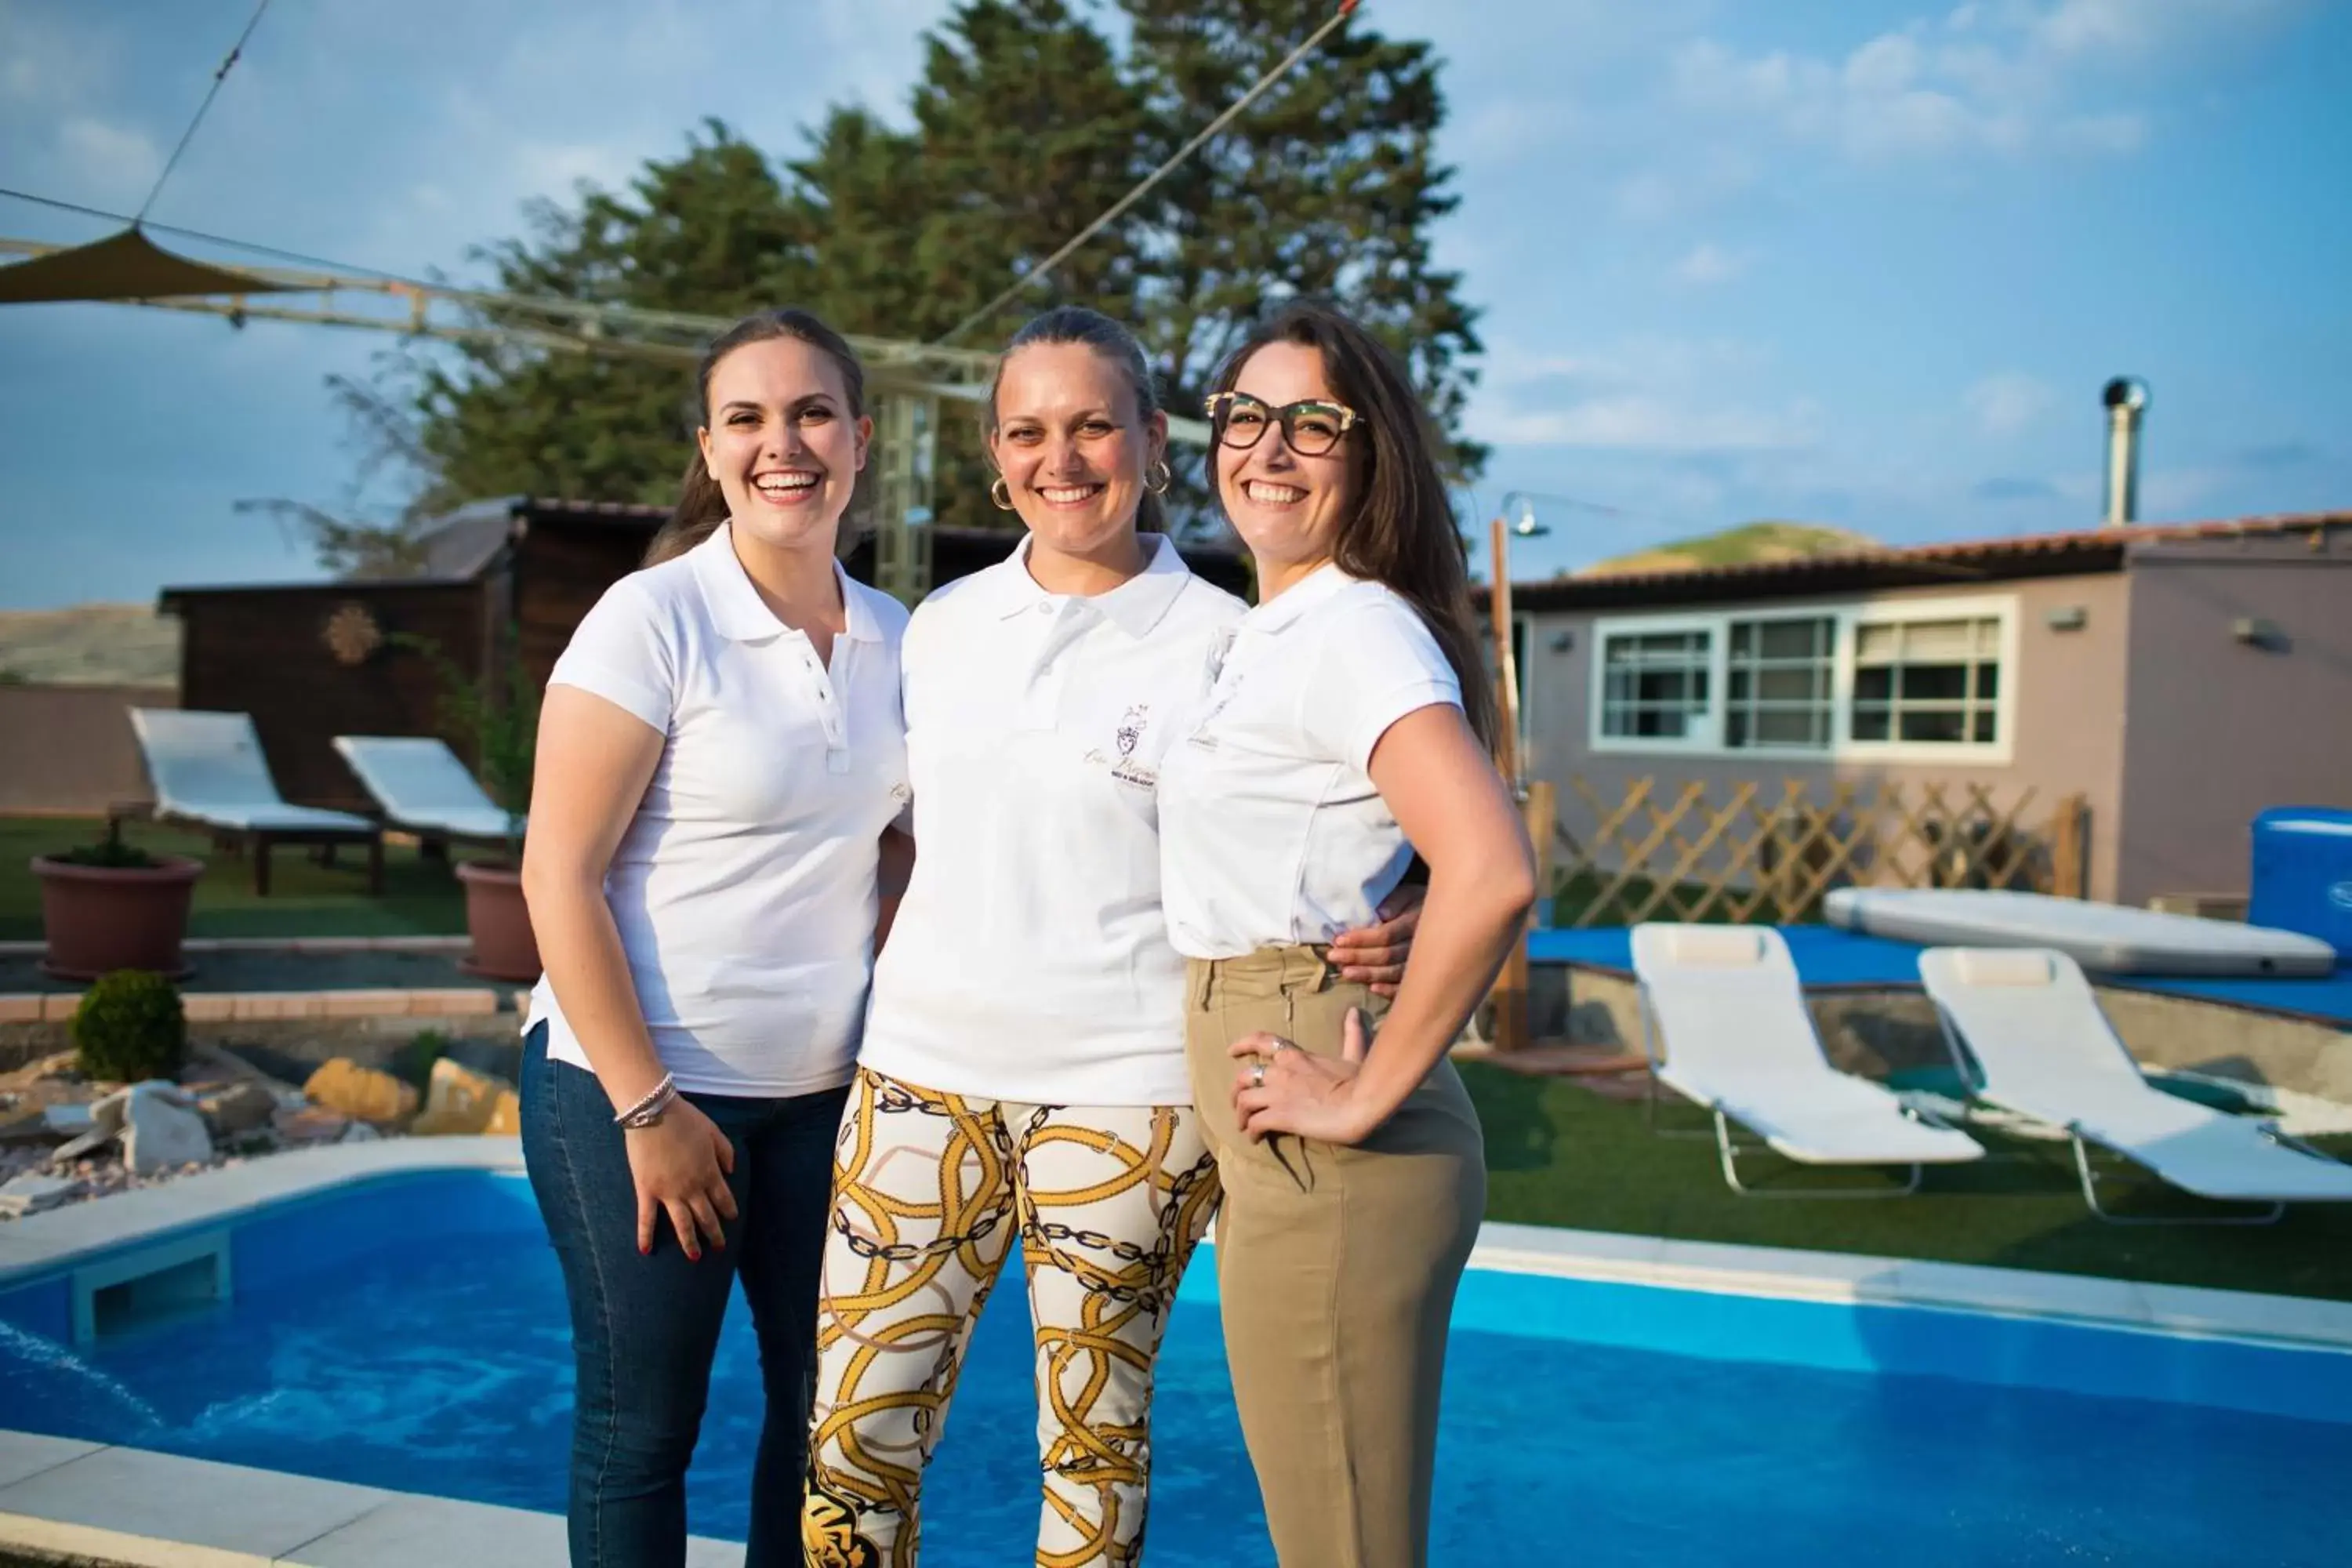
(235, 50)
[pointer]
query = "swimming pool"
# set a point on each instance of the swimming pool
(409, 1332)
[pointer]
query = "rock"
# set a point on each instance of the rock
(32, 1192)
(361, 1093)
(310, 1124)
(459, 1100)
(160, 1131)
(238, 1108)
(360, 1132)
(505, 1116)
(69, 1120)
(24, 1122)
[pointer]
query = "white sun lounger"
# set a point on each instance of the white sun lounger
(2026, 1025)
(423, 788)
(208, 770)
(1724, 1024)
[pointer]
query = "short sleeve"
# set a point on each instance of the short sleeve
(1377, 663)
(625, 652)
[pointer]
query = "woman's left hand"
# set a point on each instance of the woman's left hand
(1374, 955)
(1281, 1088)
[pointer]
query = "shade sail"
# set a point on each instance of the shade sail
(126, 265)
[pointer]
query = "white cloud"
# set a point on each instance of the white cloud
(2003, 79)
(1645, 422)
(1708, 263)
(107, 162)
(2008, 402)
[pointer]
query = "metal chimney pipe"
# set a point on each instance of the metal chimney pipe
(2127, 399)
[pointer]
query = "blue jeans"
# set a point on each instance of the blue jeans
(645, 1328)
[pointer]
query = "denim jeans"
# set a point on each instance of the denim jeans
(645, 1328)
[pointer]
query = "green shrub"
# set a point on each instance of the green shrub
(111, 853)
(413, 1061)
(130, 1027)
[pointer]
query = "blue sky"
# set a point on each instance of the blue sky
(1853, 262)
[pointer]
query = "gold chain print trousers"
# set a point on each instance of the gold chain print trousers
(929, 1191)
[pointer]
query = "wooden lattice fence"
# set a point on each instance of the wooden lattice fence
(1750, 851)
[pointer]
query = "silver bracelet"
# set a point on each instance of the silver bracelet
(648, 1111)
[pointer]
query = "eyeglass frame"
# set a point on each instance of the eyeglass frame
(1286, 417)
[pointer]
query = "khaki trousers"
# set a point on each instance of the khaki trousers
(1335, 1271)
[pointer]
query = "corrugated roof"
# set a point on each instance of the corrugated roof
(2080, 552)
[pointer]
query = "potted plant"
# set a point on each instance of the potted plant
(111, 905)
(500, 728)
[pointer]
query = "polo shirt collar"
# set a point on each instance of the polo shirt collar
(1284, 608)
(1135, 607)
(739, 611)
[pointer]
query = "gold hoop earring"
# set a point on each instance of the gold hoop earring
(1001, 494)
(1166, 477)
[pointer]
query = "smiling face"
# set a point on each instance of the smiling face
(1287, 508)
(782, 443)
(1073, 447)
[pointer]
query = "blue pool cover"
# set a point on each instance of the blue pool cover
(1829, 956)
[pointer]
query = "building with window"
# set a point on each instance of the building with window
(2180, 679)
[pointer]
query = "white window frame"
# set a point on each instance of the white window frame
(1703, 732)
(1705, 738)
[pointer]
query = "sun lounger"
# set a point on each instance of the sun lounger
(2027, 1029)
(424, 788)
(208, 771)
(1724, 1024)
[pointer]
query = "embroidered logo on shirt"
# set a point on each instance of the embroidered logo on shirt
(1127, 769)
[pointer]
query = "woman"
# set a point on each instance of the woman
(1022, 1065)
(720, 753)
(1347, 729)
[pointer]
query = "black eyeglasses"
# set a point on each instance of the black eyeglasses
(1312, 427)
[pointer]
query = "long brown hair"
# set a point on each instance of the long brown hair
(1402, 531)
(701, 504)
(1076, 324)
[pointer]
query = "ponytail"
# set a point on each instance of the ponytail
(701, 507)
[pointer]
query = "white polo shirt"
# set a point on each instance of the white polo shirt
(1271, 832)
(1030, 961)
(745, 888)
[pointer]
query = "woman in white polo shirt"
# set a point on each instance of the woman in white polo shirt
(1348, 728)
(720, 751)
(1023, 1066)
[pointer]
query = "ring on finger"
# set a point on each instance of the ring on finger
(1258, 1075)
(1281, 1044)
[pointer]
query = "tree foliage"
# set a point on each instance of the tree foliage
(1030, 119)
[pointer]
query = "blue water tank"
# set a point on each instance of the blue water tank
(2303, 874)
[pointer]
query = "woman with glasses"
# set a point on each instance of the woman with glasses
(1346, 728)
(1023, 1068)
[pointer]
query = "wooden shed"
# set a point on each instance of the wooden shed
(313, 660)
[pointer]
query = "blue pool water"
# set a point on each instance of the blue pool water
(411, 1334)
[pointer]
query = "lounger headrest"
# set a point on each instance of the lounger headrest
(1717, 947)
(1981, 966)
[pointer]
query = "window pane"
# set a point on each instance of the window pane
(1738, 684)
(1935, 725)
(1786, 727)
(1938, 639)
(1983, 721)
(1804, 685)
(1876, 643)
(1742, 639)
(1934, 682)
(1791, 639)
(1988, 682)
(1869, 722)
(1735, 728)
(1872, 686)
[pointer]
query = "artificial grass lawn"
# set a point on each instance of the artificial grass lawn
(1560, 1154)
(420, 897)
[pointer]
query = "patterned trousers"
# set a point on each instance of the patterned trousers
(928, 1190)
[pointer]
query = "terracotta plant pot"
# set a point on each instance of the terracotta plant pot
(100, 919)
(498, 922)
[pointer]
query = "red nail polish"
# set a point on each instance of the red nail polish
(645, 1251)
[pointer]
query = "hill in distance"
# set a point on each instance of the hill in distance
(91, 645)
(1749, 542)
